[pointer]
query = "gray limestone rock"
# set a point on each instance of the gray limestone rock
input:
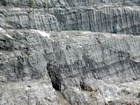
(69, 52)
(97, 16)
(35, 92)
(88, 68)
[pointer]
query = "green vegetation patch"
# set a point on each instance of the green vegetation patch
(4, 2)
(45, 51)
(31, 3)
(68, 47)
(62, 6)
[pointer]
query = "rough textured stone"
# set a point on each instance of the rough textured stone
(97, 16)
(86, 67)
(44, 62)
(35, 92)
(101, 19)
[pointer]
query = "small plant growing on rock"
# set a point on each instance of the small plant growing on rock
(68, 47)
(28, 53)
(62, 6)
(86, 87)
(4, 3)
(128, 56)
(7, 48)
(31, 3)
(45, 51)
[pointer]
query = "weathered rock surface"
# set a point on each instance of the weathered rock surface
(35, 92)
(97, 16)
(86, 67)
(44, 62)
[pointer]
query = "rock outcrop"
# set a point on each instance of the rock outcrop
(96, 16)
(65, 52)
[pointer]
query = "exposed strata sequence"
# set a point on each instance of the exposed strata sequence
(44, 62)
(90, 67)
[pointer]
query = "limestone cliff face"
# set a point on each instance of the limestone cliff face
(97, 16)
(62, 52)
